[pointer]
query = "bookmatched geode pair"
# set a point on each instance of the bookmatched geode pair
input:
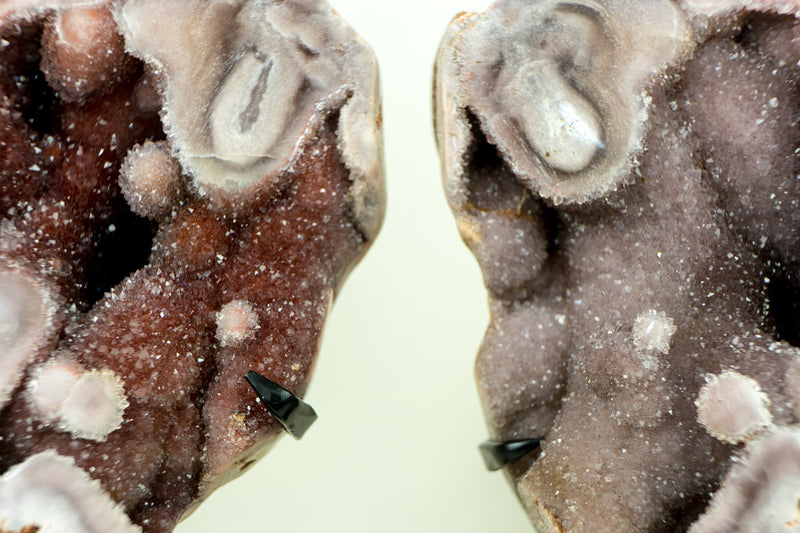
(185, 185)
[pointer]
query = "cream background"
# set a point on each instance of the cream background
(395, 447)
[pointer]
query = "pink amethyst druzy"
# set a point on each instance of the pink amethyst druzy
(627, 175)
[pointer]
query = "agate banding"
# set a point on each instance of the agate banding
(540, 87)
(626, 174)
(183, 188)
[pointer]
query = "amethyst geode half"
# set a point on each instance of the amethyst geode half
(184, 187)
(627, 175)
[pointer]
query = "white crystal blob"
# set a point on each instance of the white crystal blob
(87, 403)
(50, 492)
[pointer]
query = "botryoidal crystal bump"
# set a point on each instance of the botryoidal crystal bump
(184, 186)
(626, 174)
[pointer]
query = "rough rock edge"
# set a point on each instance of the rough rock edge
(210, 484)
(541, 518)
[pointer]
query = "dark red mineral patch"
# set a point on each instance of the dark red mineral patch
(127, 338)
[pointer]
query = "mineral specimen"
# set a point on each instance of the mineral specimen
(184, 187)
(627, 175)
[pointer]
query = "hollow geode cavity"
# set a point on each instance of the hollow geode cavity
(184, 187)
(627, 175)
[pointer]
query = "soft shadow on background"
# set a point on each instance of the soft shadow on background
(395, 447)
